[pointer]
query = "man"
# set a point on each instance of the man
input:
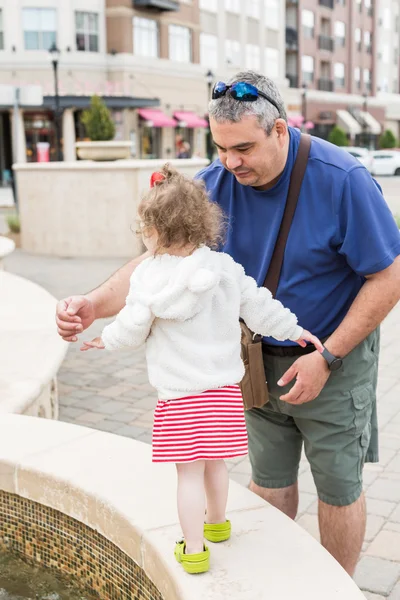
(340, 275)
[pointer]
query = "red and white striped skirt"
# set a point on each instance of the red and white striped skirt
(207, 426)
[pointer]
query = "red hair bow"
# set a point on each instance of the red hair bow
(156, 179)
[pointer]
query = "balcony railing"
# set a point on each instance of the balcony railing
(291, 38)
(327, 3)
(293, 80)
(325, 43)
(325, 85)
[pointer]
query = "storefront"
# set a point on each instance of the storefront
(5, 149)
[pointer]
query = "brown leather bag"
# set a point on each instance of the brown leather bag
(253, 385)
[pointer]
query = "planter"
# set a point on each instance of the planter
(112, 150)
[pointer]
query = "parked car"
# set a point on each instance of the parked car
(385, 162)
(361, 154)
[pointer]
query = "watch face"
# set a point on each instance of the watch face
(336, 364)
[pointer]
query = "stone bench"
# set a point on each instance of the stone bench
(119, 509)
(31, 350)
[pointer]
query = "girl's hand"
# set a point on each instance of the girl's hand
(306, 336)
(96, 343)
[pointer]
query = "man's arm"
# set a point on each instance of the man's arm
(379, 294)
(375, 300)
(76, 313)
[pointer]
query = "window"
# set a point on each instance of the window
(339, 75)
(357, 77)
(367, 79)
(395, 56)
(233, 54)
(232, 6)
(340, 33)
(208, 50)
(307, 20)
(145, 37)
(341, 2)
(180, 43)
(210, 5)
(307, 68)
(87, 31)
(252, 56)
(271, 57)
(367, 41)
(1, 31)
(368, 6)
(39, 28)
(253, 8)
(357, 37)
(395, 89)
(359, 3)
(385, 54)
(272, 14)
(386, 18)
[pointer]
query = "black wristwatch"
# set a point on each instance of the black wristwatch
(334, 363)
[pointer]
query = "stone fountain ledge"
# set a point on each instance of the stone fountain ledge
(30, 349)
(109, 484)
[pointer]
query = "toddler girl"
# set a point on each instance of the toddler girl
(184, 304)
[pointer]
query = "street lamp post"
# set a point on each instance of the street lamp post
(55, 55)
(364, 126)
(210, 80)
(304, 105)
(209, 145)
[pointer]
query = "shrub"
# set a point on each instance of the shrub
(387, 140)
(13, 223)
(338, 137)
(97, 121)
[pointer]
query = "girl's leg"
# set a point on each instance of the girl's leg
(216, 481)
(191, 504)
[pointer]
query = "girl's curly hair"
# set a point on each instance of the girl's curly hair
(181, 212)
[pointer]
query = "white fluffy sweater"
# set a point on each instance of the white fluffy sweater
(186, 310)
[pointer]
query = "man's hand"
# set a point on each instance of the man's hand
(74, 315)
(311, 372)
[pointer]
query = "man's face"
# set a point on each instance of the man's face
(245, 150)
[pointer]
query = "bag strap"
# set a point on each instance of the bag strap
(296, 179)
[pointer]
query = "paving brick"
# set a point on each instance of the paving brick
(306, 483)
(384, 489)
(310, 524)
(392, 526)
(393, 465)
(386, 545)
(374, 525)
(130, 431)
(145, 437)
(115, 390)
(106, 425)
(395, 593)
(376, 575)
(380, 507)
(395, 516)
(389, 440)
(90, 418)
(240, 478)
(109, 407)
(146, 403)
(306, 500)
(70, 412)
(371, 596)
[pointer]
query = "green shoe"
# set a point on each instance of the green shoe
(217, 532)
(192, 563)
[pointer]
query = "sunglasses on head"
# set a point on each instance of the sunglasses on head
(242, 91)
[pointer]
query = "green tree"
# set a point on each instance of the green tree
(338, 137)
(387, 140)
(97, 121)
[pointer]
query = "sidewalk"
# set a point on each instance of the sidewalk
(111, 392)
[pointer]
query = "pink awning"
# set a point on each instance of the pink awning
(156, 118)
(189, 119)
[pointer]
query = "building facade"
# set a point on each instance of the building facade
(331, 48)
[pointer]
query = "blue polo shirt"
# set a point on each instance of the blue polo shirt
(342, 230)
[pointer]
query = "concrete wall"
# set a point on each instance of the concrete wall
(86, 208)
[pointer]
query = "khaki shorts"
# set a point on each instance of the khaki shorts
(339, 428)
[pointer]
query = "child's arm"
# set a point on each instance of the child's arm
(267, 316)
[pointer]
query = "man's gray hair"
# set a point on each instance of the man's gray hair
(227, 109)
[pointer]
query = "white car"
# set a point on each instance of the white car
(361, 154)
(385, 162)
